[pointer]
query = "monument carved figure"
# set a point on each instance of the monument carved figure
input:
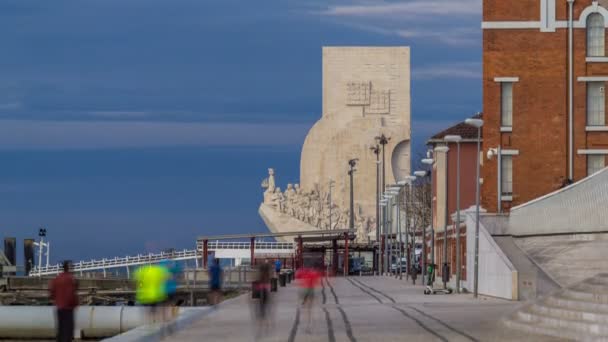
(366, 93)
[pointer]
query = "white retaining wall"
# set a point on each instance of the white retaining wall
(580, 208)
(497, 275)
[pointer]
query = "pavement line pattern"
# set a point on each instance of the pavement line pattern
(421, 312)
(349, 329)
(294, 328)
(424, 326)
(330, 327)
(444, 324)
(323, 292)
(364, 290)
(333, 292)
(378, 292)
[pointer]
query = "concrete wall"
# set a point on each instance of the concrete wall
(497, 275)
(579, 208)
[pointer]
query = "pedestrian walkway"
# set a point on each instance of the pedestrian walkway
(378, 309)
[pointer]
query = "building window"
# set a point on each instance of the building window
(506, 103)
(595, 35)
(507, 175)
(595, 104)
(595, 162)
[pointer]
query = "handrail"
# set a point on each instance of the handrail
(139, 259)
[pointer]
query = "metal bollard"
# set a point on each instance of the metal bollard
(274, 285)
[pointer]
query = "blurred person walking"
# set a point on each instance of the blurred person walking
(308, 280)
(264, 302)
(151, 288)
(277, 266)
(215, 282)
(63, 291)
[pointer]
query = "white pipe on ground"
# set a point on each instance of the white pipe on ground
(90, 321)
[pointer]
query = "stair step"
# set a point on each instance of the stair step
(586, 296)
(576, 304)
(540, 329)
(588, 328)
(570, 314)
(591, 287)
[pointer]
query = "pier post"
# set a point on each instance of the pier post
(346, 254)
(252, 247)
(205, 253)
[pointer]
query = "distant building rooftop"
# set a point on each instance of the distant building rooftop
(467, 132)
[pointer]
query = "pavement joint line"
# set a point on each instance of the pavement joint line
(444, 324)
(330, 327)
(364, 290)
(377, 291)
(294, 328)
(333, 292)
(420, 312)
(349, 329)
(323, 292)
(422, 325)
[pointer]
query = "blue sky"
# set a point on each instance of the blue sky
(131, 126)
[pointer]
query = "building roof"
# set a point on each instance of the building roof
(467, 132)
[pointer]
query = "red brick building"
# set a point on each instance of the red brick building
(445, 178)
(545, 68)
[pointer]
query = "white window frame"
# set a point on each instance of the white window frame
(595, 163)
(596, 103)
(506, 175)
(596, 35)
(506, 104)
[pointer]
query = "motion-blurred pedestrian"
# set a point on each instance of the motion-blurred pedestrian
(215, 282)
(63, 290)
(263, 311)
(151, 288)
(308, 280)
(277, 266)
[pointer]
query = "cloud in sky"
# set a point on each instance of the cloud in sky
(447, 22)
(76, 135)
(413, 8)
(470, 70)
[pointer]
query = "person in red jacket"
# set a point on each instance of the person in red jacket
(63, 293)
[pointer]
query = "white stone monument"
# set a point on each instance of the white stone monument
(366, 93)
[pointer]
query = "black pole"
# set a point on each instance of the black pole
(352, 164)
(376, 150)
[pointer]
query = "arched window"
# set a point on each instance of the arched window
(595, 35)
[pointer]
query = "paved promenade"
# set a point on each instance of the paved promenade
(378, 309)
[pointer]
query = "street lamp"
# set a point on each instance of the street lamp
(422, 174)
(457, 139)
(409, 179)
(351, 172)
(387, 230)
(430, 161)
(389, 195)
(478, 123)
(383, 141)
(376, 151)
(444, 270)
(382, 242)
(393, 191)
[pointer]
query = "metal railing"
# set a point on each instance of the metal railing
(214, 245)
(151, 258)
(117, 262)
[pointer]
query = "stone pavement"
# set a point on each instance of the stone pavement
(379, 309)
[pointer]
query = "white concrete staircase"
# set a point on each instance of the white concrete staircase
(578, 313)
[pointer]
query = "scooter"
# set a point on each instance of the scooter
(430, 280)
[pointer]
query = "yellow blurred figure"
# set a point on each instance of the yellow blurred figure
(151, 281)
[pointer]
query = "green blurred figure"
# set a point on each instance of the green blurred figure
(151, 287)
